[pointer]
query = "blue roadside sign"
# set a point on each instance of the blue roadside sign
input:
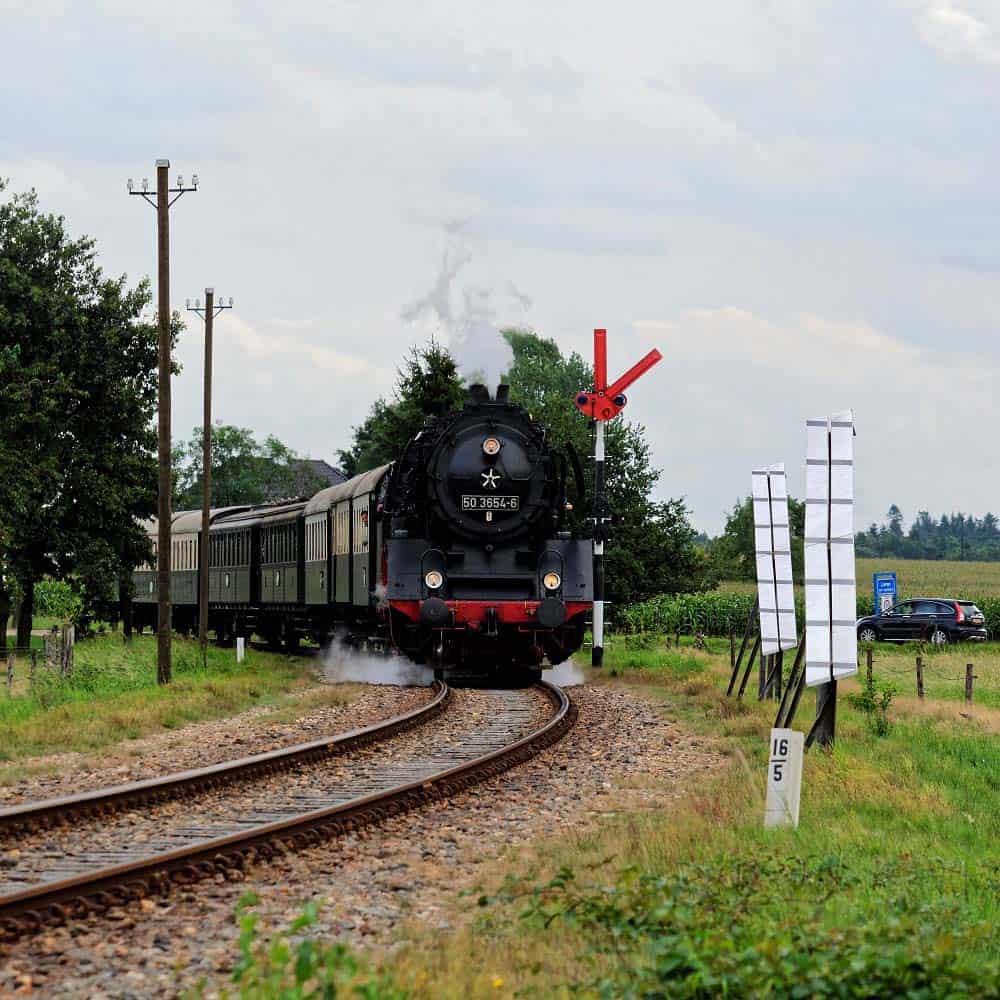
(884, 585)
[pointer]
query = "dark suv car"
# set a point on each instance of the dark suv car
(925, 619)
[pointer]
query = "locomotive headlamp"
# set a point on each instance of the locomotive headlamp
(491, 446)
(551, 581)
(433, 580)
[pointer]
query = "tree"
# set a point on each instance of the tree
(428, 385)
(244, 471)
(733, 552)
(77, 397)
(653, 546)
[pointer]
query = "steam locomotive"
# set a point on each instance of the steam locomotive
(457, 555)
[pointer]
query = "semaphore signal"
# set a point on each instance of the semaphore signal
(603, 404)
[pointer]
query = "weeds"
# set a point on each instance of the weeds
(873, 701)
(293, 966)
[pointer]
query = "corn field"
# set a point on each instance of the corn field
(721, 612)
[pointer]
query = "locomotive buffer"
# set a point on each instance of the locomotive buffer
(601, 405)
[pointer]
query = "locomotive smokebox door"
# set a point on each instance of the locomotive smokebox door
(434, 612)
(551, 613)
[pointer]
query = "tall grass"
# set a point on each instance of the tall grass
(112, 694)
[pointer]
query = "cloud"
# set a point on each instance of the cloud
(960, 35)
(801, 195)
(742, 385)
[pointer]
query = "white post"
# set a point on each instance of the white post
(600, 518)
(784, 778)
(240, 648)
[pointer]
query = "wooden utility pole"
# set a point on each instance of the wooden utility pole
(163, 512)
(162, 205)
(210, 311)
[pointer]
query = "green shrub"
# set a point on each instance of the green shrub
(874, 700)
(756, 927)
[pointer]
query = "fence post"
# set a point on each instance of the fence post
(732, 650)
(920, 678)
(969, 677)
(11, 657)
(868, 666)
(34, 665)
(68, 642)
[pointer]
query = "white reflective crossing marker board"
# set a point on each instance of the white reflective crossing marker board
(773, 547)
(784, 777)
(830, 583)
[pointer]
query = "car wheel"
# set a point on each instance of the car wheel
(867, 633)
(939, 637)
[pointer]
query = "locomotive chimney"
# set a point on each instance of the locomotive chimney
(478, 393)
(503, 393)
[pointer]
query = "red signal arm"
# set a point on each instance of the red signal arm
(606, 402)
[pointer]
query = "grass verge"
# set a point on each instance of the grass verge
(112, 694)
(890, 886)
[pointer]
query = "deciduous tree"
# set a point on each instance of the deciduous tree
(652, 548)
(244, 470)
(428, 385)
(77, 396)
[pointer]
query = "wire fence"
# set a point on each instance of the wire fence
(23, 666)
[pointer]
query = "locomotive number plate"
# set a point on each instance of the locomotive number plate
(490, 503)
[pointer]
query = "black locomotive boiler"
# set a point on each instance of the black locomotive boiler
(457, 554)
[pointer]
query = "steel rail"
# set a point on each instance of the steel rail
(115, 798)
(27, 910)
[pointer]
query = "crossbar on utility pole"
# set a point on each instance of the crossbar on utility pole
(162, 205)
(209, 313)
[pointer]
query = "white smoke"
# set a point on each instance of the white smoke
(343, 663)
(471, 326)
(566, 674)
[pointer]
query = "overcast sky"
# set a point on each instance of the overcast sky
(796, 201)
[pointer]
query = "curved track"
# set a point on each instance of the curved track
(506, 734)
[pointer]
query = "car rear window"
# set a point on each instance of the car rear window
(968, 608)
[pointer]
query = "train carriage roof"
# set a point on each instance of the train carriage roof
(367, 482)
(188, 522)
(274, 513)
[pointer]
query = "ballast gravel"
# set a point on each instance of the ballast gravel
(622, 753)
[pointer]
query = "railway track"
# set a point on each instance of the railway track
(143, 854)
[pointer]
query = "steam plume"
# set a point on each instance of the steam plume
(472, 328)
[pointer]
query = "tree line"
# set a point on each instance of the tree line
(958, 536)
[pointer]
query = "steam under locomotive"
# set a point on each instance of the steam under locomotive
(457, 554)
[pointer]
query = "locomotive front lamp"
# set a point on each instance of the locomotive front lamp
(433, 580)
(491, 446)
(551, 581)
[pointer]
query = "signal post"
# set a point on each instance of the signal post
(602, 405)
